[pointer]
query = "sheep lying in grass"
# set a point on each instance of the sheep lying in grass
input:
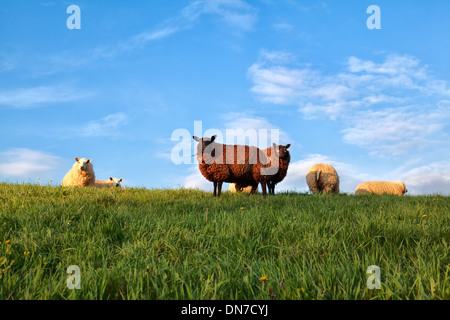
(237, 167)
(322, 177)
(235, 187)
(111, 183)
(380, 187)
(81, 175)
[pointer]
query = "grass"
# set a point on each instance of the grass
(186, 244)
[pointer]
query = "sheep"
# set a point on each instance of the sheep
(111, 183)
(236, 187)
(380, 187)
(218, 167)
(81, 175)
(322, 177)
(282, 154)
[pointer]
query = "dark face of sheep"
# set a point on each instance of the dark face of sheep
(203, 143)
(282, 151)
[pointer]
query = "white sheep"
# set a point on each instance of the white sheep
(234, 188)
(81, 175)
(380, 187)
(322, 177)
(111, 183)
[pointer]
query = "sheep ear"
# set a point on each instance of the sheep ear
(76, 159)
(213, 138)
(196, 138)
(288, 145)
(121, 180)
(110, 179)
(89, 161)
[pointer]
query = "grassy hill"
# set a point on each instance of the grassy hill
(186, 244)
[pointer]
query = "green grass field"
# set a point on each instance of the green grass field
(186, 244)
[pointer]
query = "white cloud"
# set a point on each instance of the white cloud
(27, 163)
(195, 180)
(391, 107)
(295, 179)
(428, 179)
(106, 126)
(245, 122)
(42, 95)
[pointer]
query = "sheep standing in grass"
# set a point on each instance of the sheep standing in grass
(281, 154)
(111, 183)
(219, 167)
(380, 187)
(81, 175)
(322, 177)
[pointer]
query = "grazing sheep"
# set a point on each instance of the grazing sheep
(380, 187)
(237, 167)
(111, 183)
(282, 154)
(81, 175)
(322, 178)
(235, 187)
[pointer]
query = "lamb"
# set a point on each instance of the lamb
(111, 183)
(322, 177)
(235, 167)
(236, 187)
(380, 187)
(81, 175)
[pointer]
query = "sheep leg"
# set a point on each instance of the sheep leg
(219, 185)
(263, 187)
(215, 187)
(271, 187)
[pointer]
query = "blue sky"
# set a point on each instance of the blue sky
(373, 103)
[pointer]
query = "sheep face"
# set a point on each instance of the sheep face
(115, 181)
(203, 143)
(282, 151)
(83, 163)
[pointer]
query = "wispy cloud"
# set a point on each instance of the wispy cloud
(391, 107)
(39, 96)
(27, 163)
(235, 14)
(104, 127)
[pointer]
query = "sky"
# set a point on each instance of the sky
(139, 78)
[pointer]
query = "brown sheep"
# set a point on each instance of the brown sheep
(219, 167)
(322, 178)
(282, 154)
(380, 187)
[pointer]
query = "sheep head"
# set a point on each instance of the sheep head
(83, 163)
(116, 181)
(282, 151)
(202, 148)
